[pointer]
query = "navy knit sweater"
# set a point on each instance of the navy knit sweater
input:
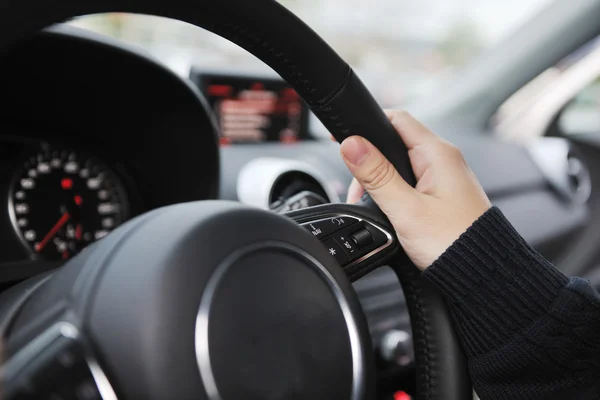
(529, 332)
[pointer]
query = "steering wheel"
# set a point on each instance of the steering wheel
(217, 300)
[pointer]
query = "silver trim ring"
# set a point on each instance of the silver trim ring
(202, 318)
(13, 216)
(257, 178)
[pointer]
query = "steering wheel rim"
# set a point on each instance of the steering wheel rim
(339, 100)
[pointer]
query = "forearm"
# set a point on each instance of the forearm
(528, 331)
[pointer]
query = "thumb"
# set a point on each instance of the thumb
(375, 173)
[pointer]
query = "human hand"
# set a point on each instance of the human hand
(446, 201)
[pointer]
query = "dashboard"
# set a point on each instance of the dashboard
(97, 133)
(93, 133)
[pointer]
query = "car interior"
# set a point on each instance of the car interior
(169, 236)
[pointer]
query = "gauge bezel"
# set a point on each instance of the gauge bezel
(13, 216)
(120, 186)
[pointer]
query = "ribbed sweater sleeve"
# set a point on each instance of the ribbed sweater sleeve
(529, 332)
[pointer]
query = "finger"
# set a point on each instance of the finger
(375, 173)
(412, 132)
(420, 160)
(355, 192)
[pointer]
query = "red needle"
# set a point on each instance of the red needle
(78, 232)
(63, 220)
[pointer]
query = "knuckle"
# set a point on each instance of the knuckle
(453, 152)
(403, 113)
(379, 176)
(399, 115)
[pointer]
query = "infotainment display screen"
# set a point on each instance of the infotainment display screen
(253, 109)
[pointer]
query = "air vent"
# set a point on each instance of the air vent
(294, 182)
(266, 180)
(579, 179)
(563, 168)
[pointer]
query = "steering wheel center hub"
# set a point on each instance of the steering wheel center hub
(273, 323)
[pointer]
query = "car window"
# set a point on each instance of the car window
(582, 114)
(570, 90)
(400, 48)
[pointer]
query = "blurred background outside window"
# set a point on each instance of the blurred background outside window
(564, 100)
(582, 115)
(402, 49)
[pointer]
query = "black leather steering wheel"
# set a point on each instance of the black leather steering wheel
(216, 300)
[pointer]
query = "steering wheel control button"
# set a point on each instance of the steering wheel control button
(342, 222)
(345, 241)
(325, 227)
(336, 251)
(319, 229)
(362, 238)
(349, 239)
(379, 238)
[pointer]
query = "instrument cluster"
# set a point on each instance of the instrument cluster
(60, 199)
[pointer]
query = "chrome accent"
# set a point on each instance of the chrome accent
(22, 358)
(559, 165)
(256, 180)
(13, 216)
(202, 318)
(69, 331)
(102, 382)
(370, 254)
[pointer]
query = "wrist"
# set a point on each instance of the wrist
(491, 277)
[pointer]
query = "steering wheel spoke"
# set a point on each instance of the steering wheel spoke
(59, 364)
(359, 239)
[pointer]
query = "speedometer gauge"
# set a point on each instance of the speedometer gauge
(62, 201)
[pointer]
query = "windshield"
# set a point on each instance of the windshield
(401, 49)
